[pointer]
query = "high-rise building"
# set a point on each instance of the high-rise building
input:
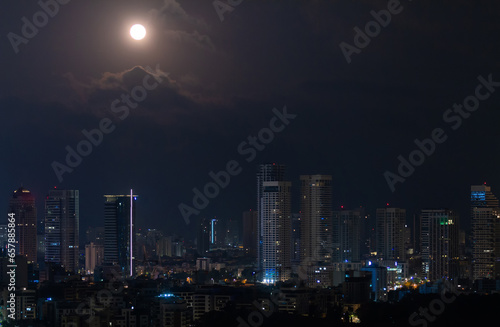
(275, 216)
(347, 234)
(62, 228)
(390, 233)
(165, 246)
(270, 172)
(485, 233)
(22, 205)
(316, 219)
(119, 232)
(215, 239)
(94, 256)
(439, 238)
(250, 232)
(482, 197)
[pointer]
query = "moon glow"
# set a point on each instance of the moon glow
(138, 32)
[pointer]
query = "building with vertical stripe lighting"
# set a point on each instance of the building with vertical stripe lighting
(316, 219)
(270, 172)
(275, 210)
(119, 232)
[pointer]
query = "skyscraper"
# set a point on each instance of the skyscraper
(270, 172)
(62, 228)
(439, 243)
(94, 255)
(275, 215)
(485, 232)
(215, 241)
(390, 233)
(119, 232)
(316, 219)
(347, 236)
(482, 197)
(22, 204)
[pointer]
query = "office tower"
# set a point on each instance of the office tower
(266, 173)
(275, 218)
(62, 228)
(119, 231)
(214, 233)
(22, 204)
(94, 256)
(316, 218)
(203, 238)
(485, 238)
(250, 232)
(482, 197)
(485, 232)
(439, 243)
(390, 233)
(347, 234)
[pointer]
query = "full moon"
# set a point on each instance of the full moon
(137, 32)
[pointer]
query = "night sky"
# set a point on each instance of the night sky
(220, 81)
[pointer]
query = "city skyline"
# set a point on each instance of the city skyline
(461, 206)
(180, 163)
(345, 228)
(353, 120)
(332, 255)
(465, 213)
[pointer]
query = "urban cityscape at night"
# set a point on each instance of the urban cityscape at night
(249, 163)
